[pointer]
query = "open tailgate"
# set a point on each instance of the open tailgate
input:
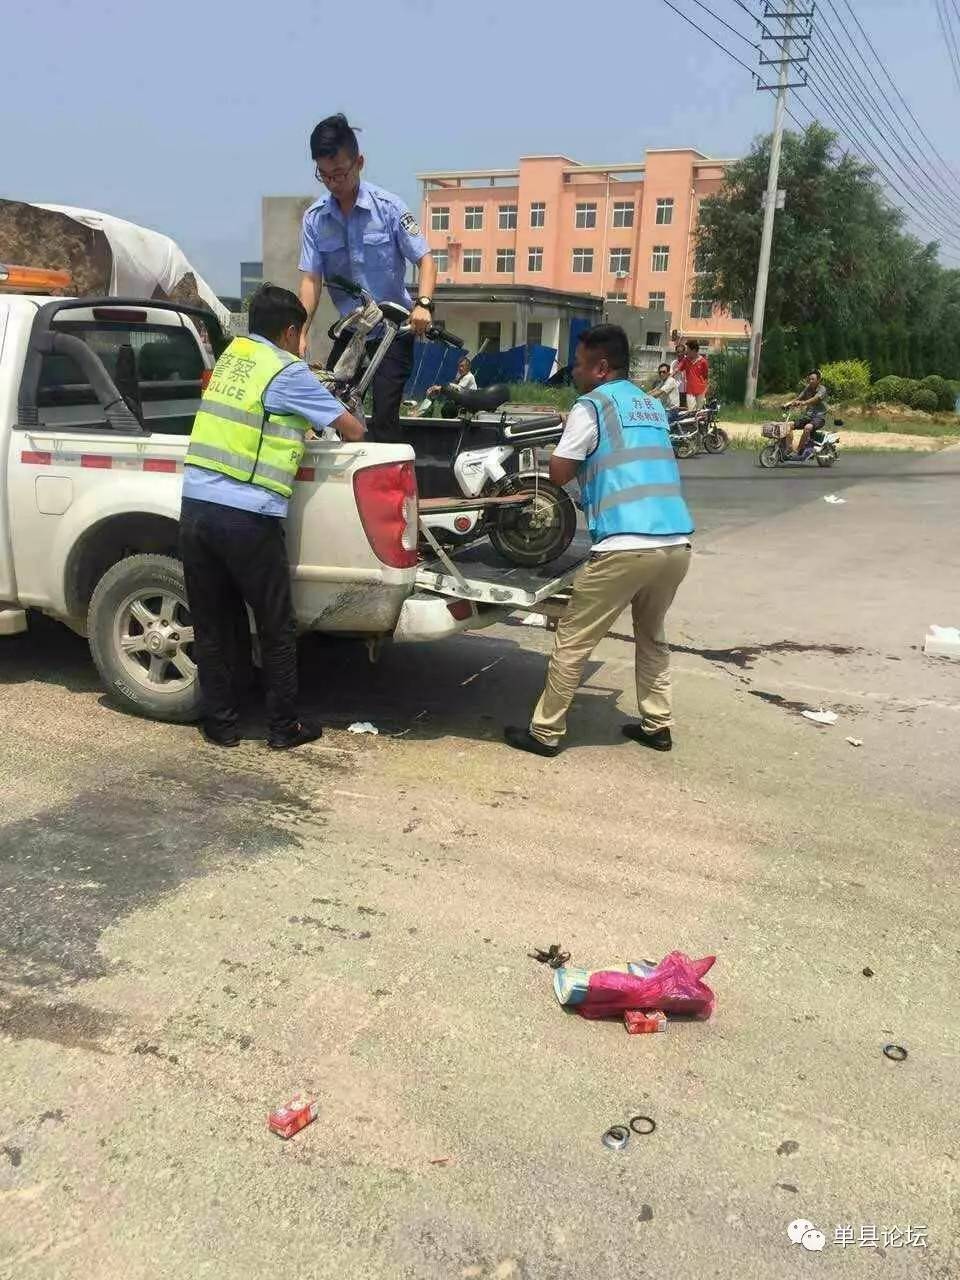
(481, 575)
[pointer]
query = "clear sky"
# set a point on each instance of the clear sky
(180, 115)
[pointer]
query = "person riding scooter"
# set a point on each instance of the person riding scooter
(813, 400)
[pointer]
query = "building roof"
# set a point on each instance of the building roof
(572, 166)
(512, 293)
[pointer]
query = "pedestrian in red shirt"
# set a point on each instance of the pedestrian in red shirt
(697, 373)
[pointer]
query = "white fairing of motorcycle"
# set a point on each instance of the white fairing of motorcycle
(475, 468)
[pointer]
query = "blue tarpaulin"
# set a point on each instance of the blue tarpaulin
(435, 362)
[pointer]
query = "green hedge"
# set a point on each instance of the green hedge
(847, 380)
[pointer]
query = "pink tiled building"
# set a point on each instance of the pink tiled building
(622, 232)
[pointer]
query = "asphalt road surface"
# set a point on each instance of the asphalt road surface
(188, 937)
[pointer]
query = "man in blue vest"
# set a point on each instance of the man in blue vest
(617, 444)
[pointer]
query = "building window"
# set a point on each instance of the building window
(473, 217)
(653, 339)
(538, 213)
(614, 296)
(586, 215)
(506, 260)
(657, 301)
(535, 333)
(582, 261)
(488, 335)
(620, 261)
(507, 217)
(665, 212)
(701, 308)
(440, 218)
(623, 213)
(442, 259)
(472, 261)
(535, 258)
(661, 257)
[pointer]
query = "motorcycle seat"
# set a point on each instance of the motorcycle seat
(485, 399)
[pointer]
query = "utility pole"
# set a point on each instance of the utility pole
(787, 16)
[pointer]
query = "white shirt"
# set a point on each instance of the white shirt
(467, 383)
(580, 438)
(668, 392)
(680, 375)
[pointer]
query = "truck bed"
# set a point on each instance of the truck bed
(489, 579)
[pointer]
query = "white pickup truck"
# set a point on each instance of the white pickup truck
(97, 399)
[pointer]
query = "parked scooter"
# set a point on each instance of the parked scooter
(528, 519)
(823, 448)
(693, 431)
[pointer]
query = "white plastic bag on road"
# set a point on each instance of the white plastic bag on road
(821, 716)
(363, 726)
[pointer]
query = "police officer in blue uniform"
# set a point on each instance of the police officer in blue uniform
(366, 235)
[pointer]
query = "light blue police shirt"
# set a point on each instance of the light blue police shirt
(293, 390)
(370, 246)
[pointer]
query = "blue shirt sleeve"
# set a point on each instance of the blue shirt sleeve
(296, 390)
(409, 238)
(311, 259)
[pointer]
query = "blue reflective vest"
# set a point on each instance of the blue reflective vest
(631, 483)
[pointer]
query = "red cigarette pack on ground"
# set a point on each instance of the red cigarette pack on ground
(640, 1024)
(296, 1115)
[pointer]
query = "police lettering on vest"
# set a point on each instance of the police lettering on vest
(631, 482)
(234, 434)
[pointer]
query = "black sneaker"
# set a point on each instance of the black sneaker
(298, 736)
(221, 737)
(660, 740)
(523, 740)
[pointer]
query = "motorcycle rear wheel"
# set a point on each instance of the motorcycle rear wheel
(769, 456)
(539, 532)
(716, 440)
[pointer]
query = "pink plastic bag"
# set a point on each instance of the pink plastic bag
(676, 986)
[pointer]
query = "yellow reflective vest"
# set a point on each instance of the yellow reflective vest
(233, 432)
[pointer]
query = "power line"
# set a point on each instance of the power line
(949, 39)
(893, 85)
(892, 116)
(878, 165)
(716, 43)
(943, 206)
(716, 17)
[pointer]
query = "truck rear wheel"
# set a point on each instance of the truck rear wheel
(141, 638)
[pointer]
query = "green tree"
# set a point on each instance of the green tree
(775, 372)
(841, 263)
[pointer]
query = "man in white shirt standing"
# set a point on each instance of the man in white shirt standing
(667, 391)
(617, 445)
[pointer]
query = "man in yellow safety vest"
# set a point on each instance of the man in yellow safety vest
(243, 457)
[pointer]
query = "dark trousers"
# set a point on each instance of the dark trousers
(231, 557)
(388, 383)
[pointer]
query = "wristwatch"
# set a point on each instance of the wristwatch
(426, 303)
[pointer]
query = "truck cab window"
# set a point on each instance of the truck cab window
(157, 366)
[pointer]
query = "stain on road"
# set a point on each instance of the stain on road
(69, 872)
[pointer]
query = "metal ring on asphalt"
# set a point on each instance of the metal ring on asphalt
(616, 1137)
(647, 1121)
(895, 1052)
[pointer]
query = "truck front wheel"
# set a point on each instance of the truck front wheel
(141, 638)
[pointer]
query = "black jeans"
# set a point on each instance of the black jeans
(388, 383)
(231, 557)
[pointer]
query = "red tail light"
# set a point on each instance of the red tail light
(387, 501)
(205, 379)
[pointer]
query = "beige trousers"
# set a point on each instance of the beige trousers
(602, 589)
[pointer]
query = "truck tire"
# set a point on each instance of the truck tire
(141, 638)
